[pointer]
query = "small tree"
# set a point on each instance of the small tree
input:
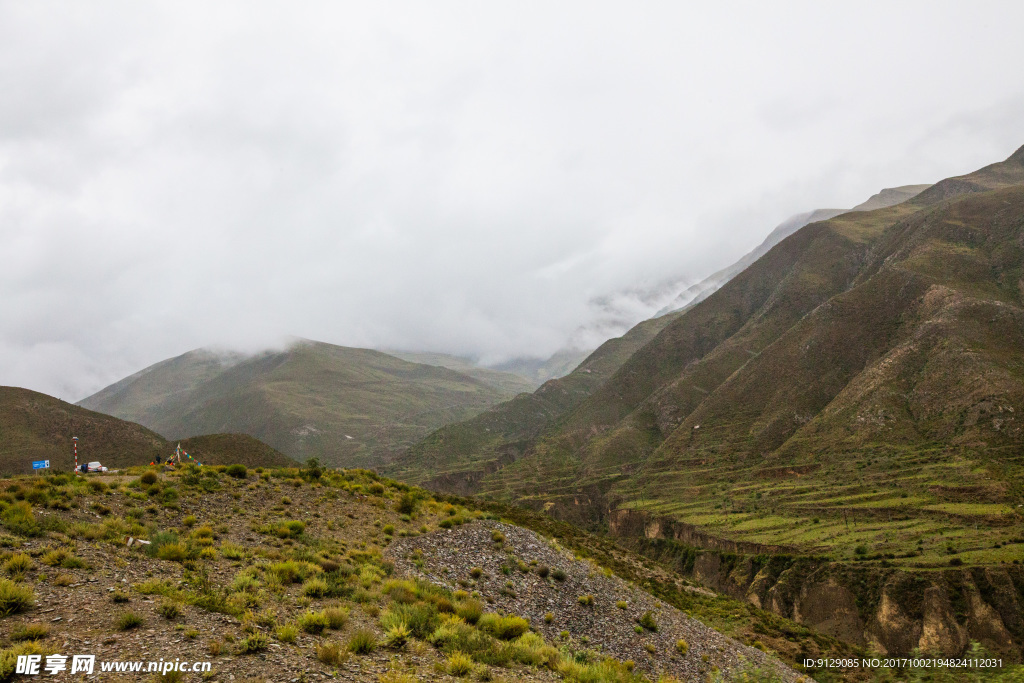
(314, 469)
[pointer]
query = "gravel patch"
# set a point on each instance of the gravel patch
(448, 558)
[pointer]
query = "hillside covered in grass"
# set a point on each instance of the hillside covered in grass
(35, 426)
(274, 574)
(343, 405)
(860, 385)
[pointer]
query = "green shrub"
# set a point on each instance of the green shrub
(287, 633)
(169, 609)
(470, 610)
(15, 597)
(336, 617)
(647, 621)
(558, 575)
(148, 478)
(254, 642)
(503, 627)
(396, 635)
(19, 519)
(330, 653)
(420, 618)
(682, 646)
(232, 551)
(19, 563)
(30, 632)
(129, 620)
(315, 588)
(406, 504)
(586, 600)
(173, 552)
(459, 664)
(314, 622)
(9, 657)
(497, 536)
(362, 642)
(543, 570)
(236, 471)
(62, 558)
(293, 571)
(169, 496)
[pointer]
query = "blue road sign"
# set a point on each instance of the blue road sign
(40, 464)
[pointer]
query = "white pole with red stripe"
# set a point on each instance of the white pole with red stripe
(75, 440)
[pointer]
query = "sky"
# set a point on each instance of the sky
(479, 178)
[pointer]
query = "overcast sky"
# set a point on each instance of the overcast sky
(462, 177)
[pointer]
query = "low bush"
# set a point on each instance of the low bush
(19, 563)
(362, 642)
(254, 642)
(337, 617)
(19, 519)
(15, 597)
(470, 610)
(420, 618)
(396, 635)
(459, 664)
(30, 632)
(647, 621)
(287, 633)
(330, 653)
(129, 620)
(314, 622)
(315, 588)
(236, 471)
(502, 627)
(169, 609)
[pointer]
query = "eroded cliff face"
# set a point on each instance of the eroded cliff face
(891, 611)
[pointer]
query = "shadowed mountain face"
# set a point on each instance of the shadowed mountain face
(35, 426)
(345, 406)
(869, 365)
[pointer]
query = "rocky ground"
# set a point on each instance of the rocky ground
(351, 522)
(522, 574)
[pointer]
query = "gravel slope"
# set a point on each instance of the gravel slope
(448, 558)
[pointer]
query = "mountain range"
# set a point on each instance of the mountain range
(869, 366)
(348, 407)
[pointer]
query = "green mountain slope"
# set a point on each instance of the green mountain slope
(345, 406)
(456, 456)
(860, 387)
(225, 449)
(35, 426)
(506, 382)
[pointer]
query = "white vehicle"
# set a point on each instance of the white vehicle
(94, 466)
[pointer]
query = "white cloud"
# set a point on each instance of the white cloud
(453, 176)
